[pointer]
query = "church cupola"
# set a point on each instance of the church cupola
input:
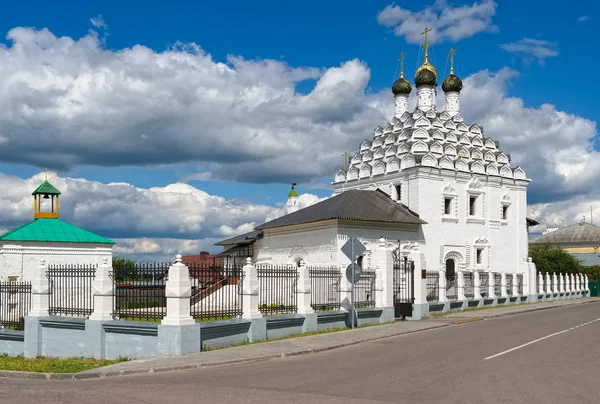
(426, 79)
(46, 192)
(292, 201)
(401, 89)
(452, 86)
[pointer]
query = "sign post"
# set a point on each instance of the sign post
(353, 249)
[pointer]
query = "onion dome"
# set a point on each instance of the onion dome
(452, 83)
(426, 76)
(401, 86)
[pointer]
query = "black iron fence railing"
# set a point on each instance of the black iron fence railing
(484, 284)
(139, 291)
(469, 285)
(364, 289)
(520, 284)
(71, 290)
(509, 284)
(216, 292)
(277, 289)
(325, 288)
(451, 287)
(497, 284)
(433, 286)
(15, 304)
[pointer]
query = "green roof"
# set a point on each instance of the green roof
(292, 193)
(53, 230)
(46, 188)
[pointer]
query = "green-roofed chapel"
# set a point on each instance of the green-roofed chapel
(49, 238)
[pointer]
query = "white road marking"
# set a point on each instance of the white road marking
(538, 340)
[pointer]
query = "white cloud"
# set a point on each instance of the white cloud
(583, 18)
(449, 23)
(98, 22)
(531, 49)
(160, 221)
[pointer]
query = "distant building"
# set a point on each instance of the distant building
(581, 239)
(204, 259)
(47, 237)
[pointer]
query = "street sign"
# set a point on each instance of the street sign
(357, 271)
(353, 249)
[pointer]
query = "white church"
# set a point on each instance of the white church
(425, 177)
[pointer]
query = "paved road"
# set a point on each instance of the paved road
(558, 363)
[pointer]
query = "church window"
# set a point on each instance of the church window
(472, 205)
(480, 256)
(398, 192)
(447, 206)
(504, 212)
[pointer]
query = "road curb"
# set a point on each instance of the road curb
(99, 374)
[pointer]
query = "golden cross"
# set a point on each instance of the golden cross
(401, 57)
(426, 43)
(451, 53)
(46, 173)
(346, 155)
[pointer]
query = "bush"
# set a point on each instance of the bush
(549, 259)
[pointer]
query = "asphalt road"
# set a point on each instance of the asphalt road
(556, 360)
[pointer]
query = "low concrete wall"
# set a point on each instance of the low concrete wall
(12, 342)
(284, 325)
(63, 337)
(331, 320)
(130, 339)
(218, 334)
(368, 316)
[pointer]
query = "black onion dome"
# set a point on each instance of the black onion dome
(452, 83)
(401, 86)
(425, 77)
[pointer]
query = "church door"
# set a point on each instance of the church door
(451, 285)
(404, 286)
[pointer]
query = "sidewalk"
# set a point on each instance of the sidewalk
(295, 346)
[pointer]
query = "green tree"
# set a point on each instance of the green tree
(124, 269)
(552, 259)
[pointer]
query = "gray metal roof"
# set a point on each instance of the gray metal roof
(580, 233)
(359, 205)
(245, 238)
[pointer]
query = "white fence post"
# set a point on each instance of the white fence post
(568, 283)
(515, 285)
(548, 288)
(476, 285)
(586, 283)
(383, 262)
(460, 284)
(303, 293)
(102, 288)
(540, 284)
(442, 285)
(250, 311)
(503, 292)
(40, 291)
(178, 291)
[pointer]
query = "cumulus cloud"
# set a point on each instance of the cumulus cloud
(530, 49)
(167, 220)
(449, 23)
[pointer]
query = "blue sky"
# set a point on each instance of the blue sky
(317, 36)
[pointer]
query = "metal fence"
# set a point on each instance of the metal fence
(216, 291)
(509, 284)
(15, 304)
(451, 287)
(364, 289)
(325, 288)
(520, 284)
(71, 290)
(433, 286)
(469, 285)
(277, 289)
(139, 290)
(484, 284)
(497, 284)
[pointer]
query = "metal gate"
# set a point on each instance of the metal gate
(404, 286)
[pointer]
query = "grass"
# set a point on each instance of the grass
(53, 365)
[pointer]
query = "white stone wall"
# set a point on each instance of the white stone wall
(20, 258)
(504, 243)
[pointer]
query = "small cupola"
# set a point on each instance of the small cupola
(452, 83)
(45, 191)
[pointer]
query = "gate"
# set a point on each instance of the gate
(404, 286)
